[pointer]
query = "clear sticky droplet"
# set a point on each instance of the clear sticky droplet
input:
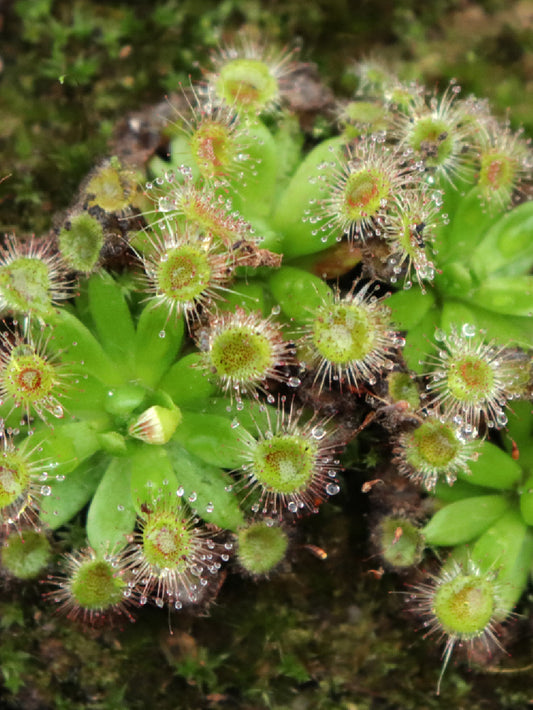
(468, 330)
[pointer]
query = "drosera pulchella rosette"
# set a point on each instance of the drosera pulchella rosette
(292, 465)
(242, 351)
(33, 277)
(471, 380)
(23, 481)
(410, 232)
(357, 189)
(248, 76)
(176, 197)
(216, 139)
(185, 270)
(350, 339)
(505, 161)
(434, 450)
(436, 134)
(95, 588)
(461, 605)
(379, 82)
(31, 380)
(173, 559)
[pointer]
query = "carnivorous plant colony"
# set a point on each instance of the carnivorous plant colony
(277, 295)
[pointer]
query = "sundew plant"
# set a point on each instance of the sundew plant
(276, 297)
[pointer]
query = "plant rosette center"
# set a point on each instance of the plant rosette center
(285, 464)
(434, 444)
(14, 478)
(168, 542)
(364, 193)
(343, 333)
(464, 605)
(183, 274)
(26, 284)
(433, 138)
(213, 149)
(96, 586)
(241, 355)
(28, 378)
(247, 84)
(470, 379)
(497, 171)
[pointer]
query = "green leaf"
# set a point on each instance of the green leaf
(452, 196)
(151, 475)
(526, 501)
(65, 446)
(253, 195)
(85, 399)
(298, 292)
(295, 201)
(69, 496)
(79, 348)
(289, 140)
(520, 431)
(504, 329)
(214, 439)
(470, 222)
(506, 547)
(494, 469)
(507, 248)
(251, 415)
(157, 342)
(420, 342)
(410, 307)
(464, 520)
(111, 516)
(458, 491)
(250, 296)
(206, 487)
(111, 317)
(187, 383)
(510, 295)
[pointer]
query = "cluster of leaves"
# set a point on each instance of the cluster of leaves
(195, 403)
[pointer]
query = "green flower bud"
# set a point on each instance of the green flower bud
(155, 425)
